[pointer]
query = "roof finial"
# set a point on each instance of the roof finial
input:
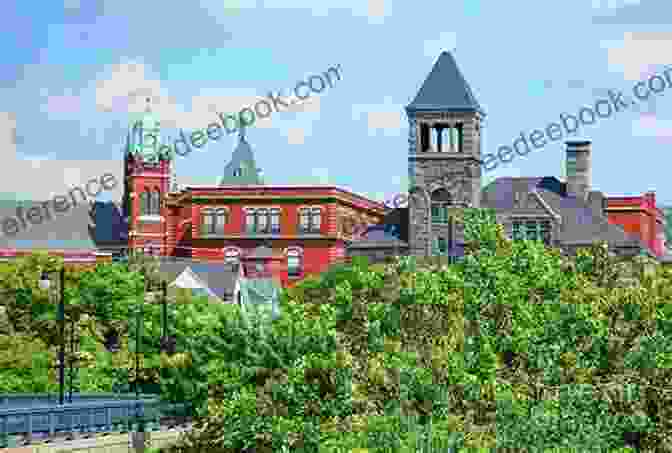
(148, 108)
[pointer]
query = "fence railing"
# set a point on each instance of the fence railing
(81, 417)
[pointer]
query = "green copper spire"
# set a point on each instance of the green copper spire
(242, 169)
(144, 137)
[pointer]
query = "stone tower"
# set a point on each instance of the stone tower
(444, 158)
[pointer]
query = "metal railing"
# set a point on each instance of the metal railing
(23, 400)
(85, 418)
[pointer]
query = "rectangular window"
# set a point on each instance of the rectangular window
(207, 223)
(304, 221)
(310, 220)
(533, 230)
(262, 221)
(275, 221)
(221, 220)
(250, 221)
(316, 220)
(440, 213)
(443, 247)
(517, 234)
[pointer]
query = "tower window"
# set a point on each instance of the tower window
(155, 208)
(144, 202)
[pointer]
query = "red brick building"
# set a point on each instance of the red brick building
(285, 231)
(639, 216)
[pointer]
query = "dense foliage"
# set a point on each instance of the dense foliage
(513, 347)
(96, 301)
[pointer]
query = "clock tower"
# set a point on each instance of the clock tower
(147, 174)
(444, 159)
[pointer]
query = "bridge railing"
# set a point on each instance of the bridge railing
(23, 400)
(80, 417)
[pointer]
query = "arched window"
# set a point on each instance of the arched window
(145, 202)
(294, 263)
(232, 255)
(156, 203)
(441, 200)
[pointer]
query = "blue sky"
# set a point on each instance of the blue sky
(74, 72)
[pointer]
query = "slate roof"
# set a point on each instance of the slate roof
(64, 231)
(375, 237)
(445, 88)
(580, 225)
(84, 227)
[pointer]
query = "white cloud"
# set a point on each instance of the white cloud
(296, 136)
(639, 52)
(42, 177)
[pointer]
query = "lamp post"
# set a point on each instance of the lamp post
(45, 283)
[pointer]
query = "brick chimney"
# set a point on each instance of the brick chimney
(578, 168)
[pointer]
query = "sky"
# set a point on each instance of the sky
(74, 73)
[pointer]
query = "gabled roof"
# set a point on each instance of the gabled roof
(188, 280)
(445, 88)
(220, 278)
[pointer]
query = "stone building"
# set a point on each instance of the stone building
(444, 165)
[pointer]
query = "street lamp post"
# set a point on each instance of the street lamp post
(45, 283)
